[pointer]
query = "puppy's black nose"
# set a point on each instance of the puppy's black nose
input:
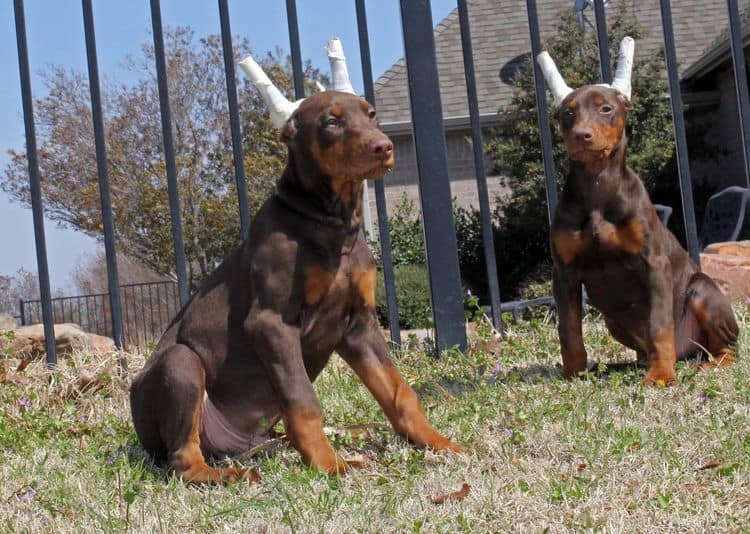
(381, 147)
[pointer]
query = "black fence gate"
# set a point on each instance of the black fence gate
(429, 136)
(146, 311)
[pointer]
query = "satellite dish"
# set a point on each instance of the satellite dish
(579, 6)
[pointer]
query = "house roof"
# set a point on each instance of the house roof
(719, 49)
(500, 42)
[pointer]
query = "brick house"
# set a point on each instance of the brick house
(709, 81)
(500, 40)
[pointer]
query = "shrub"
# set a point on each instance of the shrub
(412, 297)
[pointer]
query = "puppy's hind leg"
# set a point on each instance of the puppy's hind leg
(167, 405)
(716, 319)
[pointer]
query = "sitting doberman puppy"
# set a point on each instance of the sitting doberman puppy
(243, 352)
(607, 236)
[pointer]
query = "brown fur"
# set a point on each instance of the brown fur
(262, 327)
(607, 238)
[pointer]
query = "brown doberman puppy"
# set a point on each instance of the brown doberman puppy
(243, 352)
(607, 237)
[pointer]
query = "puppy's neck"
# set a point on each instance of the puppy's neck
(314, 196)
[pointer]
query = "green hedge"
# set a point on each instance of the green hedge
(412, 296)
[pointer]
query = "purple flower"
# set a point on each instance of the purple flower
(703, 398)
(496, 373)
(25, 403)
(27, 494)
(507, 432)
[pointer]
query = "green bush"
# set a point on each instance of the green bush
(412, 297)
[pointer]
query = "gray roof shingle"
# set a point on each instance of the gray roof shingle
(500, 39)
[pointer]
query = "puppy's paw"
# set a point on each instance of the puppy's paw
(660, 377)
(444, 444)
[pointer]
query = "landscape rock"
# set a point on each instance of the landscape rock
(28, 341)
(7, 322)
(729, 265)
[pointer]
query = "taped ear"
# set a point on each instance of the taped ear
(289, 130)
(627, 104)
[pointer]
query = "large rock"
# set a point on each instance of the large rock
(729, 264)
(28, 341)
(7, 322)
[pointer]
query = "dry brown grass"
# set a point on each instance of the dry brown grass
(600, 453)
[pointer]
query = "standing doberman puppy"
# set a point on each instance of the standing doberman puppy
(243, 353)
(606, 235)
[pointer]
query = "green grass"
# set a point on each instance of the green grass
(601, 452)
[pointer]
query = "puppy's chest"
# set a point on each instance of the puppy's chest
(333, 294)
(596, 237)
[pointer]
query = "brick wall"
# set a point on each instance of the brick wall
(460, 154)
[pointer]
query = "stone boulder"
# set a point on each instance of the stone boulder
(28, 341)
(729, 264)
(7, 322)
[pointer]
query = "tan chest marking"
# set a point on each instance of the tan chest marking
(318, 281)
(628, 237)
(568, 244)
(364, 285)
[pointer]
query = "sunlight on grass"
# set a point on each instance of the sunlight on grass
(601, 452)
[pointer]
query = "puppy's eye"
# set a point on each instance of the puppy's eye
(569, 113)
(606, 109)
(371, 114)
(332, 121)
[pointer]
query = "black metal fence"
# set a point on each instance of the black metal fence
(146, 311)
(427, 125)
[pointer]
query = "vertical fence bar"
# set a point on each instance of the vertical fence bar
(234, 119)
(740, 82)
(545, 134)
(166, 132)
(37, 208)
(22, 312)
(104, 193)
(434, 182)
(296, 50)
(380, 203)
(488, 241)
(683, 164)
(605, 66)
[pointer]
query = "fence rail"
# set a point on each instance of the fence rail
(147, 309)
(121, 312)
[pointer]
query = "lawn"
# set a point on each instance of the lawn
(601, 452)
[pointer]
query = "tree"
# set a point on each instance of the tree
(197, 92)
(22, 284)
(523, 232)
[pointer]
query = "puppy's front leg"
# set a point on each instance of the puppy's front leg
(660, 343)
(567, 293)
(365, 351)
(278, 347)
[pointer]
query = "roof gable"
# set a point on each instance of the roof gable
(500, 41)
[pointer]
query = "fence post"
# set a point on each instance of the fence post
(605, 66)
(380, 202)
(683, 164)
(234, 118)
(104, 193)
(545, 134)
(295, 49)
(166, 131)
(37, 209)
(434, 182)
(22, 312)
(488, 241)
(740, 82)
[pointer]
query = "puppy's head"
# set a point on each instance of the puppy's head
(592, 119)
(337, 134)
